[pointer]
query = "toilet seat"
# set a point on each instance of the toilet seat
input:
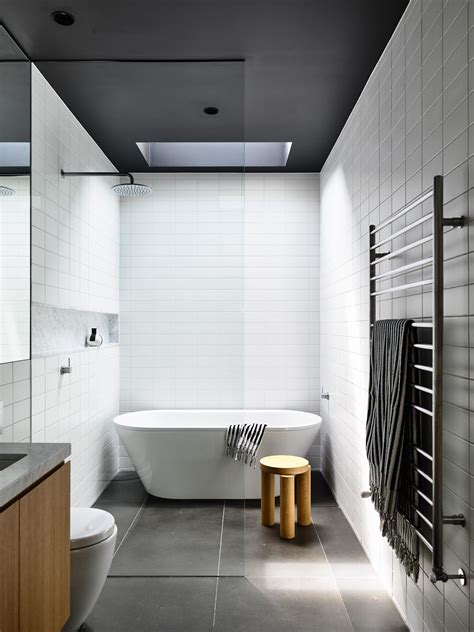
(90, 526)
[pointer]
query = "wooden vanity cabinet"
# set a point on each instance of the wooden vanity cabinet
(35, 557)
(9, 568)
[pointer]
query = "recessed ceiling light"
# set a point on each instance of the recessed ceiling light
(211, 110)
(64, 18)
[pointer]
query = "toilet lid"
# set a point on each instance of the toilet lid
(90, 526)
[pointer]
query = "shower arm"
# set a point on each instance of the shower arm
(65, 174)
(12, 174)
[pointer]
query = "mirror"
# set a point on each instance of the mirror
(15, 200)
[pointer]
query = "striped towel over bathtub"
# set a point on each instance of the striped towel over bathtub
(242, 442)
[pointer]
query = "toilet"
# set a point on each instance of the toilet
(93, 536)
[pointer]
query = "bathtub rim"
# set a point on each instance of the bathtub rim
(306, 426)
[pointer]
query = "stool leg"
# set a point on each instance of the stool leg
(287, 507)
(303, 492)
(267, 487)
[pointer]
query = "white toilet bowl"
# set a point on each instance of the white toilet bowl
(93, 536)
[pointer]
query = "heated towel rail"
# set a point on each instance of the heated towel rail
(425, 448)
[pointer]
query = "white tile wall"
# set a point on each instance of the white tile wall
(15, 400)
(281, 344)
(219, 293)
(15, 270)
(78, 408)
(413, 120)
(75, 221)
(75, 263)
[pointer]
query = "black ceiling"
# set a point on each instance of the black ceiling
(306, 62)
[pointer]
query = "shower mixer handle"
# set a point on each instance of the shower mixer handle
(66, 369)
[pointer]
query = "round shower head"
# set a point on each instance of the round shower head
(131, 189)
(5, 191)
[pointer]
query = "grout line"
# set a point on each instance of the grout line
(135, 518)
(333, 575)
(218, 567)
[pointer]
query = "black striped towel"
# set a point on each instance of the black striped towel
(387, 436)
(242, 442)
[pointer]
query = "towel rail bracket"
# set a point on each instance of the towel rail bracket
(440, 575)
(455, 222)
(457, 519)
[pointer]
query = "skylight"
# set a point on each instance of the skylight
(14, 154)
(232, 154)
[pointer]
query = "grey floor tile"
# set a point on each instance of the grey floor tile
(171, 604)
(123, 514)
(232, 558)
(267, 555)
(320, 491)
(342, 548)
(273, 605)
(125, 488)
(369, 606)
(172, 538)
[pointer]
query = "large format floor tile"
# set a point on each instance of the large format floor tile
(267, 555)
(210, 566)
(126, 488)
(280, 605)
(232, 557)
(123, 514)
(172, 538)
(171, 604)
(369, 606)
(342, 548)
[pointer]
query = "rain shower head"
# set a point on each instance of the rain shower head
(131, 189)
(127, 189)
(6, 191)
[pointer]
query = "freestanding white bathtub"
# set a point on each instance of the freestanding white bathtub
(180, 453)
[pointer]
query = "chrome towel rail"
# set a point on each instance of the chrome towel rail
(405, 286)
(404, 211)
(390, 255)
(404, 230)
(428, 394)
(408, 268)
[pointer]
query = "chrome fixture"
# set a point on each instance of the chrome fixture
(66, 369)
(8, 191)
(324, 394)
(94, 339)
(128, 189)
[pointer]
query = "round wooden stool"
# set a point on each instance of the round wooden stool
(287, 467)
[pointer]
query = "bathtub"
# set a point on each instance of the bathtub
(180, 453)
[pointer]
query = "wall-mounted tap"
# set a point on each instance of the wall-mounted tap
(324, 394)
(66, 369)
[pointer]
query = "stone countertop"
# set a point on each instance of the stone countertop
(40, 459)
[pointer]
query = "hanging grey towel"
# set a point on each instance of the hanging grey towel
(387, 435)
(242, 442)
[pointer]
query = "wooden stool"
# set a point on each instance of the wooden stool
(287, 467)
